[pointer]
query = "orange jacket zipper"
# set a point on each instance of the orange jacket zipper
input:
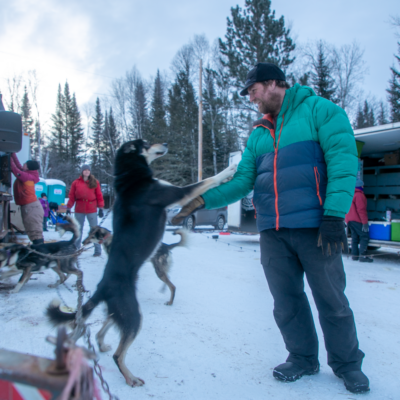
(276, 147)
(317, 179)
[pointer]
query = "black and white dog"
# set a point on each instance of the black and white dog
(138, 226)
(16, 259)
(161, 260)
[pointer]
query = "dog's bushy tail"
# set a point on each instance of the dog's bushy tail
(72, 226)
(184, 234)
(58, 316)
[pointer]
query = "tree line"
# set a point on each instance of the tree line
(165, 108)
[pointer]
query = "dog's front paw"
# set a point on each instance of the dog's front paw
(134, 381)
(53, 285)
(104, 348)
(226, 173)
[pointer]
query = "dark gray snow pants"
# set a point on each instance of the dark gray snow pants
(288, 254)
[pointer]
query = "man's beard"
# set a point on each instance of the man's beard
(271, 106)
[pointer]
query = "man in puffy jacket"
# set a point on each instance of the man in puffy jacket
(357, 221)
(24, 195)
(301, 160)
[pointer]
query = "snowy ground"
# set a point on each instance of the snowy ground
(219, 339)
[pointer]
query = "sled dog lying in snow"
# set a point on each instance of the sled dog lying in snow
(161, 260)
(16, 259)
(138, 226)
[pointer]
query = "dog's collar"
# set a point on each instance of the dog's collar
(104, 238)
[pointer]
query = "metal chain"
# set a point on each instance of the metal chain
(82, 329)
(97, 368)
(60, 296)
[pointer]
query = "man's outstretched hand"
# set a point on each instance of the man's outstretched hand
(196, 204)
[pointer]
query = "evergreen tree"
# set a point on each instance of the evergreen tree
(369, 115)
(67, 137)
(158, 120)
(254, 35)
(394, 91)
(139, 112)
(111, 143)
(365, 116)
(321, 74)
(36, 142)
(382, 115)
(304, 79)
(114, 137)
(359, 122)
(67, 119)
(27, 122)
(96, 140)
(181, 161)
(26, 114)
(76, 134)
(57, 143)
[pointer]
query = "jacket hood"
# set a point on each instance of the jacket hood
(295, 96)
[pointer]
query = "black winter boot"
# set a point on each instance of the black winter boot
(366, 259)
(355, 381)
(37, 241)
(289, 372)
(355, 258)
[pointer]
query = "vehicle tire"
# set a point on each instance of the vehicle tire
(189, 223)
(220, 223)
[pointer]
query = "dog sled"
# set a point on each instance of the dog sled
(67, 377)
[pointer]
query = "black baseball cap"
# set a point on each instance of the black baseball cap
(262, 72)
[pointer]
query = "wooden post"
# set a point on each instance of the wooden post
(200, 153)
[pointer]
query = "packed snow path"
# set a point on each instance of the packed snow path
(219, 340)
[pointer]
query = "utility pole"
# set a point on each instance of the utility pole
(200, 154)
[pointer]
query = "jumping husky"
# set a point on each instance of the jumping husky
(138, 226)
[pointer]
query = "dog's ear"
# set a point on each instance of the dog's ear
(129, 149)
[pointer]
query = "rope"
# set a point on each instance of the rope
(107, 213)
(76, 254)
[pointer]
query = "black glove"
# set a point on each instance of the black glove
(101, 213)
(365, 228)
(196, 204)
(68, 212)
(332, 236)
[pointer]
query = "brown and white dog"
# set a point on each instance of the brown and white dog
(16, 259)
(161, 260)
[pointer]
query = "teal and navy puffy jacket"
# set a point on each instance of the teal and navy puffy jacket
(300, 171)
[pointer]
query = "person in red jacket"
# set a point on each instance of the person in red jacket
(357, 221)
(24, 195)
(86, 194)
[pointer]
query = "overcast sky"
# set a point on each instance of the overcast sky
(90, 43)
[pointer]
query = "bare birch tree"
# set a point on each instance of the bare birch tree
(349, 72)
(119, 94)
(15, 89)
